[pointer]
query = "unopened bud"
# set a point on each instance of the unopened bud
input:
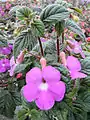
(63, 58)
(20, 58)
(43, 62)
(71, 44)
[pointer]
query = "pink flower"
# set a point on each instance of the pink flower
(44, 87)
(75, 47)
(4, 65)
(13, 64)
(74, 67)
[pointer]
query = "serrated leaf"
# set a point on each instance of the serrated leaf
(75, 28)
(54, 13)
(3, 41)
(24, 40)
(24, 13)
(38, 28)
(8, 102)
(86, 65)
(59, 26)
(21, 67)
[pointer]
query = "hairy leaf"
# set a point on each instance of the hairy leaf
(75, 28)
(24, 40)
(54, 13)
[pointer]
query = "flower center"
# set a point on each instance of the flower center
(3, 65)
(43, 86)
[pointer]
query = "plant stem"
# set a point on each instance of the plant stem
(41, 46)
(58, 52)
(38, 57)
(63, 37)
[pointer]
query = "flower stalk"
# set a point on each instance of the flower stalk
(41, 46)
(58, 49)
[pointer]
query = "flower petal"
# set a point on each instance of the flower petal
(34, 75)
(45, 100)
(51, 74)
(73, 63)
(30, 92)
(58, 90)
(75, 75)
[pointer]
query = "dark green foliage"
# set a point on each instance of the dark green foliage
(8, 102)
(86, 65)
(3, 39)
(24, 13)
(54, 13)
(38, 27)
(59, 26)
(24, 40)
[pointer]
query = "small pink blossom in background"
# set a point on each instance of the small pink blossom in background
(75, 47)
(44, 87)
(4, 65)
(88, 39)
(74, 68)
(8, 5)
(6, 50)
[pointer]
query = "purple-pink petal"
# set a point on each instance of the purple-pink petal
(45, 100)
(73, 63)
(50, 74)
(34, 75)
(30, 92)
(4, 65)
(57, 90)
(76, 74)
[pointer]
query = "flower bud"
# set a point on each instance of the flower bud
(88, 39)
(20, 58)
(43, 62)
(71, 44)
(63, 58)
(75, 18)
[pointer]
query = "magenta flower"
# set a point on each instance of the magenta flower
(6, 50)
(75, 47)
(4, 65)
(74, 67)
(44, 87)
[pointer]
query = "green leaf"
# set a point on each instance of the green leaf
(3, 41)
(70, 24)
(38, 28)
(8, 102)
(24, 40)
(54, 13)
(22, 114)
(24, 13)
(86, 65)
(21, 67)
(86, 99)
(59, 26)
(77, 10)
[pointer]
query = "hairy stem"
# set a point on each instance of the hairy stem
(41, 46)
(38, 57)
(58, 49)
(63, 37)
